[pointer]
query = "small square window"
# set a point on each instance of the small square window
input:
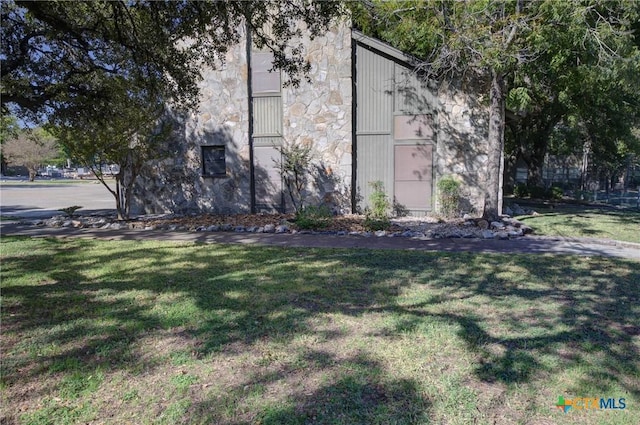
(213, 161)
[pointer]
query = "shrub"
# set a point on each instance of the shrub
(556, 192)
(294, 170)
(377, 215)
(312, 217)
(449, 196)
(379, 201)
(521, 190)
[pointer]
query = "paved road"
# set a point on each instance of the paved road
(42, 200)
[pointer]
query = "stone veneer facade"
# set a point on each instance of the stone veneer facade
(318, 113)
(461, 150)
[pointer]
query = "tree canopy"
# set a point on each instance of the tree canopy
(58, 52)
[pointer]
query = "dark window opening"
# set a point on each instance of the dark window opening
(213, 161)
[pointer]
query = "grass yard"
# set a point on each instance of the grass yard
(580, 221)
(169, 333)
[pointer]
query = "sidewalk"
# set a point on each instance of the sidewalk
(524, 245)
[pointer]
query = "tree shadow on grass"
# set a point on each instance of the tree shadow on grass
(352, 391)
(86, 305)
(577, 316)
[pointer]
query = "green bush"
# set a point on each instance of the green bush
(379, 201)
(312, 217)
(521, 190)
(377, 215)
(556, 192)
(449, 196)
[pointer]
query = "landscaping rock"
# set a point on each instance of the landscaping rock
(408, 227)
(515, 232)
(488, 234)
(526, 229)
(517, 210)
(497, 225)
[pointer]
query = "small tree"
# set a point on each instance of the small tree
(124, 129)
(31, 149)
(294, 166)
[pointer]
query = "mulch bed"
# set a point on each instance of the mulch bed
(348, 223)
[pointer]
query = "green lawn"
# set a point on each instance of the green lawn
(168, 333)
(580, 221)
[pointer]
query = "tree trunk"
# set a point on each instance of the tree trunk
(493, 192)
(118, 196)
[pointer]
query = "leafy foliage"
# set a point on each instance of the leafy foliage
(294, 166)
(57, 52)
(313, 217)
(449, 196)
(521, 190)
(377, 215)
(128, 136)
(31, 148)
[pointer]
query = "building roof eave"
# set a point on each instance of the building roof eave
(385, 48)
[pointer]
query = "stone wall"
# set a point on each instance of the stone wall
(317, 113)
(461, 149)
